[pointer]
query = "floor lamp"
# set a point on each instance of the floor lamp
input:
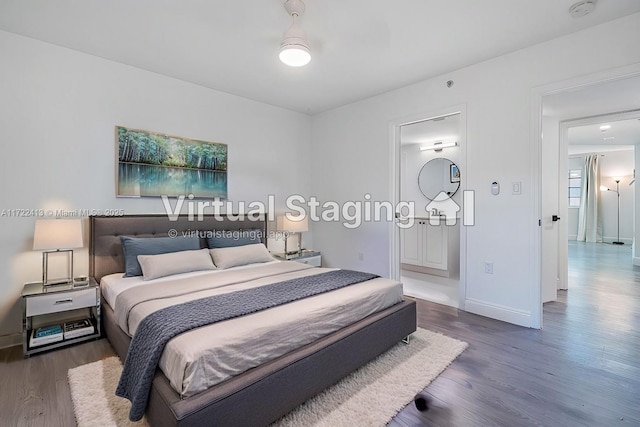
(617, 191)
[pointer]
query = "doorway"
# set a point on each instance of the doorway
(575, 112)
(429, 249)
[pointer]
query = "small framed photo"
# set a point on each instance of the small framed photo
(455, 173)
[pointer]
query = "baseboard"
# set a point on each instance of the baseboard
(10, 340)
(573, 237)
(506, 314)
(636, 261)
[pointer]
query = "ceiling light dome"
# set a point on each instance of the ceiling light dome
(294, 49)
(295, 55)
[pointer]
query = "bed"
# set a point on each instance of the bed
(263, 393)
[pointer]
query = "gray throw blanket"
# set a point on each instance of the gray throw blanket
(159, 327)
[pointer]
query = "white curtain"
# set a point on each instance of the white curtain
(589, 218)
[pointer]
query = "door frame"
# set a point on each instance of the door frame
(537, 95)
(563, 206)
(395, 179)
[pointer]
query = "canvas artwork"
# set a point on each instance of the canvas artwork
(152, 165)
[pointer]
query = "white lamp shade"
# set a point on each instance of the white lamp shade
(297, 224)
(57, 234)
(603, 188)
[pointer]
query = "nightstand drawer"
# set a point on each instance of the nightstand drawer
(315, 261)
(60, 301)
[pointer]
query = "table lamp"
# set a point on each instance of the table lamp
(57, 236)
(293, 225)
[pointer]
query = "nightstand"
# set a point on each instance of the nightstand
(313, 258)
(55, 305)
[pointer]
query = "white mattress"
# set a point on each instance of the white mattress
(201, 358)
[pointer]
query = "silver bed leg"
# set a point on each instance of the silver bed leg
(406, 339)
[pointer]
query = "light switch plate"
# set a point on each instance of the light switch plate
(516, 188)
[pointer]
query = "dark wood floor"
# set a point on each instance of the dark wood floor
(35, 391)
(582, 369)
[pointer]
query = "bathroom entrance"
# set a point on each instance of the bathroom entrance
(430, 158)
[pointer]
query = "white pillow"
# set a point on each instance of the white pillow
(154, 266)
(240, 255)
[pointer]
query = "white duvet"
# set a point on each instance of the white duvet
(201, 358)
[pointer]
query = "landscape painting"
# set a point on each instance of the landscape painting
(154, 164)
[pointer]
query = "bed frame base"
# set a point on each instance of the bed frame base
(264, 394)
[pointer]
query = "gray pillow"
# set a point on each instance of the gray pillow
(230, 238)
(134, 246)
(154, 266)
(240, 255)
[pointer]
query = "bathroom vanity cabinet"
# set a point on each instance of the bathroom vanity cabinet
(431, 249)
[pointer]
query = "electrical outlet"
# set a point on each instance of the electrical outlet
(488, 267)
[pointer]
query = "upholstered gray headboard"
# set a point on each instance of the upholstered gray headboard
(105, 250)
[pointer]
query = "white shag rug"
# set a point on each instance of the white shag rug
(371, 396)
(93, 392)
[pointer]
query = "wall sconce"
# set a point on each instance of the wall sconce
(57, 236)
(293, 225)
(438, 146)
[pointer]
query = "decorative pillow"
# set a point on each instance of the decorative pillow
(134, 246)
(230, 238)
(240, 255)
(154, 266)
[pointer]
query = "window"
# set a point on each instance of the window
(575, 187)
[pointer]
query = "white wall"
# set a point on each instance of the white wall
(612, 164)
(58, 110)
(351, 150)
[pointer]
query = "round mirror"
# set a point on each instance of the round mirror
(439, 175)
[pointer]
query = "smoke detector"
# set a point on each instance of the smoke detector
(582, 8)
